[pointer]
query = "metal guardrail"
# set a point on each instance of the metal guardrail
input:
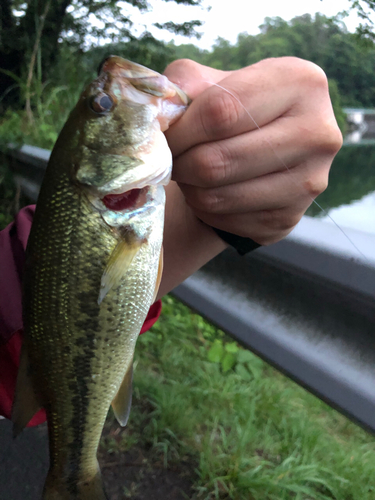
(305, 305)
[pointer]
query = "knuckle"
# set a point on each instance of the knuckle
(179, 66)
(333, 138)
(328, 139)
(324, 137)
(207, 201)
(306, 72)
(211, 162)
(314, 187)
(314, 75)
(219, 113)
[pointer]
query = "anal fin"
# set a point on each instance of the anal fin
(25, 401)
(122, 402)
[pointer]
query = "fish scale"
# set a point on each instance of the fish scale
(91, 274)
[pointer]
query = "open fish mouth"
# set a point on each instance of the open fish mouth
(154, 169)
(129, 200)
(130, 206)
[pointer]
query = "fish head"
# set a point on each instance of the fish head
(118, 128)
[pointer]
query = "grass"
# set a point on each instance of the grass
(250, 432)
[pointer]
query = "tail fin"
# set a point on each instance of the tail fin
(89, 489)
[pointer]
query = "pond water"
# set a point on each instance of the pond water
(350, 196)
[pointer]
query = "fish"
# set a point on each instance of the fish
(94, 262)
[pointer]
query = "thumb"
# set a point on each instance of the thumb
(192, 77)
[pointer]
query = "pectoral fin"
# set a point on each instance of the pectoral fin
(25, 402)
(123, 400)
(119, 262)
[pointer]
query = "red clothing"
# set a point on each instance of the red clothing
(13, 241)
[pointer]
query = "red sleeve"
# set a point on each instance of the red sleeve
(13, 240)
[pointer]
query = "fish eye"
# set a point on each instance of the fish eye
(101, 103)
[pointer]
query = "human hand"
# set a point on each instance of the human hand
(244, 180)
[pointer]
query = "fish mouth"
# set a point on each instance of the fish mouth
(144, 79)
(123, 209)
(129, 200)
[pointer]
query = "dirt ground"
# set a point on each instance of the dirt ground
(136, 474)
(139, 473)
(133, 475)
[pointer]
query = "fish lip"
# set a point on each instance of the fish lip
(119, 66)
(102, 63)
(123, 68)
(160, 178)
(155, 168)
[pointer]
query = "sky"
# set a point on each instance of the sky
(242, 16)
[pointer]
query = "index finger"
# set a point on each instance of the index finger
(244, 100)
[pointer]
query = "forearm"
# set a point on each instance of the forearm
(188, 242)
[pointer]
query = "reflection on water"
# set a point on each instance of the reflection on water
(361, 126)
(359, 214)
(350, 196)
(359, 138)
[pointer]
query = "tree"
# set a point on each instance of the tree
(364, 8)
(32, 31)
(320, 39)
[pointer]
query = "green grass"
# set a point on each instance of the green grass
(252, 433)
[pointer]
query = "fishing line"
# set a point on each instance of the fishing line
(289, 169)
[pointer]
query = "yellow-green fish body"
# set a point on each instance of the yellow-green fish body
(93, 267)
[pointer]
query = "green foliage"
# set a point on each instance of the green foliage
(73, 19)
(231, 357)
(365, 10)
(320, 39)
(336, 105)
(252, 433)
(42, 27)
(223, 56)
(184, 29)
(50, 107)
(188, 51)
(146, 50)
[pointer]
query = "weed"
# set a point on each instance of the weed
(253, 433)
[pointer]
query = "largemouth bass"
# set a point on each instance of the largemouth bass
(93, 267)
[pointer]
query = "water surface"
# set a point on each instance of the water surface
(350, 196)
